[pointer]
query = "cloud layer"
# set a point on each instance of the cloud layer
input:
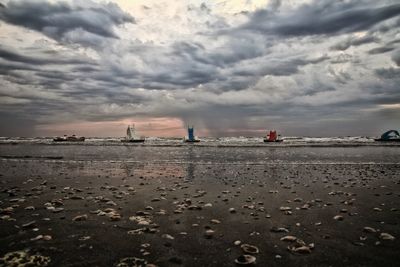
(312, 68)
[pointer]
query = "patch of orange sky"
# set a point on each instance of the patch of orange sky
(160, 127)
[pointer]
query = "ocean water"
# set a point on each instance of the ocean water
(205, 141)
(241, 150)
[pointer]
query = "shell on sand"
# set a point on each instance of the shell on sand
(245, 260)
(289, 238)
(250, 249)
(386, 236)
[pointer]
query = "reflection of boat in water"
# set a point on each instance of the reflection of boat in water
(191, 138)
(272, 137)
(71, 138)
(131, 136)
(389, 136)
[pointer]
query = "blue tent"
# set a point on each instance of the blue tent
(391, 134)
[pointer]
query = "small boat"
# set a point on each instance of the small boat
(272, 137)
(71, 138)
(131, 136)
(389, 136)
(191, 138)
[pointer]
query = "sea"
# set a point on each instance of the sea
(206, 141)
(223, 150)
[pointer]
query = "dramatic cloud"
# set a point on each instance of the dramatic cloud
(396, 57)
(66, 21)
(322, 17)
(357, 41)
(231, 68)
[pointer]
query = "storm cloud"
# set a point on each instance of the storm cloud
(322, 17)
(66, 21)
(303, 67)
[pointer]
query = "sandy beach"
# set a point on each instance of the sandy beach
(73, 205)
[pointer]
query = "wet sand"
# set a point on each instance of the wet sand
(304, 207)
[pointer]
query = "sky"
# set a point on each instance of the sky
(230, 68)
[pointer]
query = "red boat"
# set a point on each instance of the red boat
(272, 137)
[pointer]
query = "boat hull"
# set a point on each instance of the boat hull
(270, 141)
(133, 141)
(192, 141)
(80, 139)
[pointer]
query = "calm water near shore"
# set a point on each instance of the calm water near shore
(267, 154)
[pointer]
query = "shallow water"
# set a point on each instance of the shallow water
(204, 155)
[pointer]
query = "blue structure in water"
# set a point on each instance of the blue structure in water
(389, 136)
(190, 133)
(191, 138)
(392, 134)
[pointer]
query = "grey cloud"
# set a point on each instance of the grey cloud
(60, 19)
(354, 42)
(239, 50)
(321, 17)
(345, 58)
(396, 57)
(277, 67)
(388, 73)
(17, 125)
(380, 50)
(396, 41)
(14, 56)
(274, 5)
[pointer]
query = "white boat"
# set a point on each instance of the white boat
(131, 136)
